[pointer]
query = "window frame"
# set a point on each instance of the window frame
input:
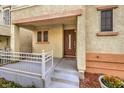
(3, 15)
(104, 18)
(42, 37)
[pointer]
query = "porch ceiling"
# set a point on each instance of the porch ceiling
(58, 18)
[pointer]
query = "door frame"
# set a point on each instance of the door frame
(64, 43)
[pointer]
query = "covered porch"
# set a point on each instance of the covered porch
(56, 25)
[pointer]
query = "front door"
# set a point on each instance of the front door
(69, 43)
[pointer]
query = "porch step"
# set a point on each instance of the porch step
(55, 84)
(64, 71)
(66, 79)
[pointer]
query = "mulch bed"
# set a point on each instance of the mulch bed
(90, 81)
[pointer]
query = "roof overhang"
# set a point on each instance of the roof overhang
(48, 17)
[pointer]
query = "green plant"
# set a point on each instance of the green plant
(113, 82)
(10, 84)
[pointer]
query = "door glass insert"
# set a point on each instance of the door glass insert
(69, 46)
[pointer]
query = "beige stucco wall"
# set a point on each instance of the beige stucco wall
(4, 30)
(21, 39)
(25, 35)
(105, 44)
(55, 40)
(3, 42)
(1, 16)
(25, 40)
(38, 10)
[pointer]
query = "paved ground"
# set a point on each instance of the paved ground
(90, 81)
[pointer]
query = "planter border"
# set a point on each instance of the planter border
(101, 83)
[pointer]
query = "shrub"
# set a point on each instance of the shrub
(10, 84)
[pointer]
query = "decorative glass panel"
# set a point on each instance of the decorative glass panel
(69, 43)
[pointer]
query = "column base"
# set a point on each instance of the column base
(81, 74)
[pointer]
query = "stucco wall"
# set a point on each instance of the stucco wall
(39, 10)
(3, 42)
(25, 40)
(4, 30)
(107, 44)
(55, 40)
(1, 16)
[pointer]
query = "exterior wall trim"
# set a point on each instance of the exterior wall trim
(21, 7)
(101, 8)
(49, 16)
(107, 33)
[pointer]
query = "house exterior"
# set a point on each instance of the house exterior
(4, 27)
(92, 34)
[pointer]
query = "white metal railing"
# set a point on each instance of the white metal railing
(28, 63)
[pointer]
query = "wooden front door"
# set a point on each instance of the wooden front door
(69, 43)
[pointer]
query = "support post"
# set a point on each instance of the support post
(81, 49)
(43, 67)
(15, 38)
(52, 57)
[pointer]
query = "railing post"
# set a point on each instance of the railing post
(43, 64)
(52, 57)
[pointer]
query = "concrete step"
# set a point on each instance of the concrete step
(66, 78)
(59, 70)
(55, 84)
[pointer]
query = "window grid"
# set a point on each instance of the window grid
(106, 20)
(6, 16)
(42, 36)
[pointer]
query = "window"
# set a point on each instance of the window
(45, 34)
(39, 37)
(7, 40)
(106, 20)
(42, 36)
(6, 16)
